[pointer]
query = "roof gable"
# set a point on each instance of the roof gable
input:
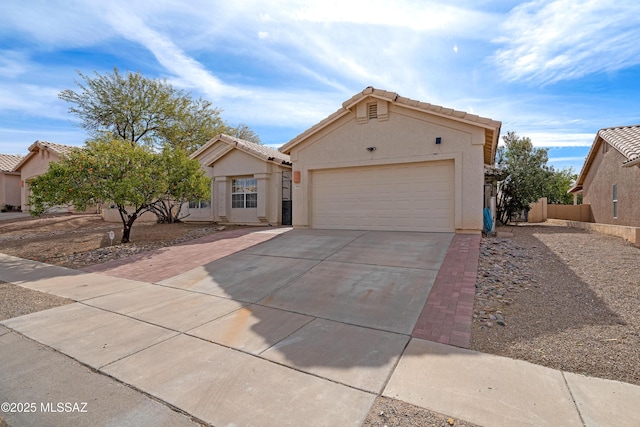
(37, 146)
(8, 162)
(492, 127)
(625, 139)
(251, 148)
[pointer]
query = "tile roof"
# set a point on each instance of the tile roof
(9, 161)
(41, 145)
(424, 106)
(492, 127)
(258, 150)
(625, 139)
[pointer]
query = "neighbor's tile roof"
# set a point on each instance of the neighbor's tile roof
(9, 161)
(492, 127)
(58, 148)
(625, 139)
(44, 145)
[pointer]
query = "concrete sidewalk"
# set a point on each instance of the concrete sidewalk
(213, 346)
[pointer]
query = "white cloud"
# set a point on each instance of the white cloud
(423, 16)
(190, 72)
(17, 141)
(566, 159)
(12, 64)
(69, 23)
(560, 139)
(551, 40)
(33, 100)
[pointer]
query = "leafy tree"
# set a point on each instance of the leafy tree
(525, 174)
(185, 180)
(143, 111)
(558, 183)
(132, 177)
(243, 131)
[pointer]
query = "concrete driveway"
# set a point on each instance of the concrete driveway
(306, 328)
(333, 309)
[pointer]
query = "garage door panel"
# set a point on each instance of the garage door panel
(411, 197)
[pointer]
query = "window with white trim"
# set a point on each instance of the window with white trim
(244, 193)
(615, 200)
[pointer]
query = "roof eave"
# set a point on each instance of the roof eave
(575, 189)
(231, 143)
(631, 163)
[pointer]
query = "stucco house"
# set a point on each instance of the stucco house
(250, 183)
(35, 163)
(610, 177)
(386, 162)
(9, 180)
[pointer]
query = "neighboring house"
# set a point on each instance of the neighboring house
(385, 162)
(9, 181)
(34, 164)
(250, 183)
(610, 178)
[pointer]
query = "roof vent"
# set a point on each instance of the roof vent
(372, 110)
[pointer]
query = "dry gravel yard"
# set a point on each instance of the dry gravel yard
(570, 300)
(558, 297)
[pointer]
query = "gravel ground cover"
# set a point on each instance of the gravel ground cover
(79, 240)
(560, 297)
(17, 301)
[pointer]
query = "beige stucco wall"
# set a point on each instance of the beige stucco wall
(235, 163)
(632, 234)
(35, 166)
(406, 136)
(113, 215)
(538, 211)
(10, 189)
(605, 171)
(570, 212)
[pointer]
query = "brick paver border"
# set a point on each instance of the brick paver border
(163, 263)
(447, 315)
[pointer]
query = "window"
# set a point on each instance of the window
(200, 204)
(244, 193)
(615, 200)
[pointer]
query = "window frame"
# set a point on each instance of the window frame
(244, 193)
(614, 195)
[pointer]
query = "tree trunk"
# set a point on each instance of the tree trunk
(127, 223)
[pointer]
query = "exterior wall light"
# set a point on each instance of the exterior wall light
(371, 149)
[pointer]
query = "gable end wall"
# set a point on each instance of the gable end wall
(605, 171)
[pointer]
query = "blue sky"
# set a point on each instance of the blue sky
(553, 70)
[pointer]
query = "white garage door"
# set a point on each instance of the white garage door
(408, 197)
